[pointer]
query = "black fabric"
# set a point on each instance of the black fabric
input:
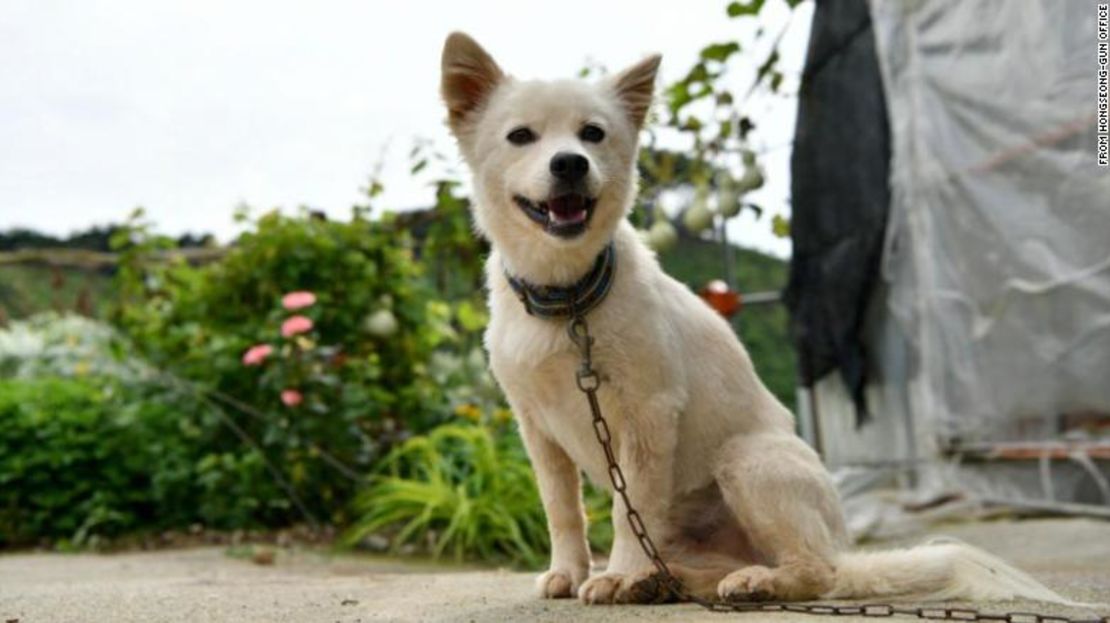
(840, 195)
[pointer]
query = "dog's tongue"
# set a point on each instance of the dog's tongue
(567, 208)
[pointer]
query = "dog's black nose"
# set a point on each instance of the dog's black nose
(569, 167)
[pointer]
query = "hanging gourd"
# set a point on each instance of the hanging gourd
(698, 217)
(753, 174)
(728, 199)
(662, 235)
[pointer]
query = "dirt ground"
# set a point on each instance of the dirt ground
(207, 585)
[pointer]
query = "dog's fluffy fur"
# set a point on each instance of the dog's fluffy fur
(740, 506)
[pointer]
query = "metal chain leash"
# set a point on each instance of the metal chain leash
(589, 381)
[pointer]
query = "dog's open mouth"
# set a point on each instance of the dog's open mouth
(565, 216)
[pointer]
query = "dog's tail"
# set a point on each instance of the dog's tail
(936, 571)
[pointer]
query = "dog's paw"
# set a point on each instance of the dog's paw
(645, 587)
(558, 584)
(754, 583)
(601, 589)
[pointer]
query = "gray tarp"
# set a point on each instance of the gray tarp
(998, 244)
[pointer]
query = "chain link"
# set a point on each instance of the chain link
(589, 381)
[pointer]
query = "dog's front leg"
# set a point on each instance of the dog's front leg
(646, 445)
(561, 492)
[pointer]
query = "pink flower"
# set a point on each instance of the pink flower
(256, 354)
(291, 397)
(294, 325)
(298, 300)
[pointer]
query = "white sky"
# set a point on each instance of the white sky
(190, 108)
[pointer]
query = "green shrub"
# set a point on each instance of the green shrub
(337, 393)
(68, 376)
(74, 466)
(88, 459)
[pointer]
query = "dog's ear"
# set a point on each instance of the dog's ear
(469, 76)
(635, 85)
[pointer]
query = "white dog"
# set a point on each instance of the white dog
(740, 507)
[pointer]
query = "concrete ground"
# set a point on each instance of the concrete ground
(207, 585)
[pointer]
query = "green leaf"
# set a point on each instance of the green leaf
(692, 124)
(780, 226)
(678, 96)
(698, 73)
(471, 317)
(720, 51)
(776, 81)
(746, 8)
(746, 126)
(767, 66)
(725, 130)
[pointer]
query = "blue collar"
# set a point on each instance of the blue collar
(569, 301)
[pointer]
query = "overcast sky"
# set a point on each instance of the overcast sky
(191, 108)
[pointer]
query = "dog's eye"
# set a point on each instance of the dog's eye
(521, 136)
(591, 133)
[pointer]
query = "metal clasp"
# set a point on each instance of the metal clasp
(579, 333)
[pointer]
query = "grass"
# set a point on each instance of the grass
(458, 490)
